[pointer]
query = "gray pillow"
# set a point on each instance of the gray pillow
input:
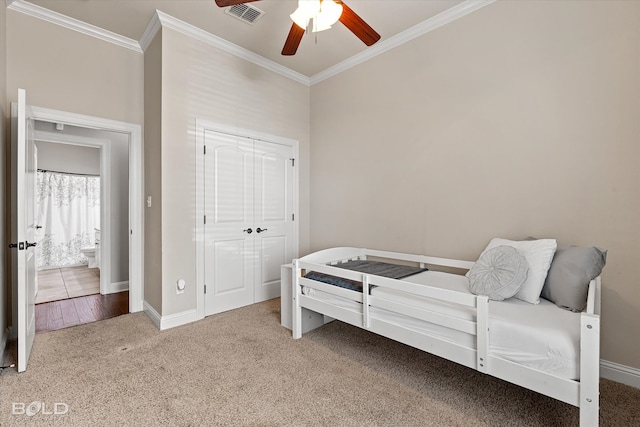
(571, 270)
(499, 273)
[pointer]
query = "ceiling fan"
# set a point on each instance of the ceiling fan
(319, 11)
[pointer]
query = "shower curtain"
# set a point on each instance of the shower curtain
(68, 210)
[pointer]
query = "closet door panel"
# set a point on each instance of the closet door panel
(229, 245)
(274, 209)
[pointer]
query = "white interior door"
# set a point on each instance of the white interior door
(23, 236)
(228, 249)
(273, 178)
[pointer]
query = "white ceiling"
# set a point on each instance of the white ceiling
(317, 51)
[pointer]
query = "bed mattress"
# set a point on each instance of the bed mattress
(541, 336)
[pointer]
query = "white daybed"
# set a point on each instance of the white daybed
(435, 312)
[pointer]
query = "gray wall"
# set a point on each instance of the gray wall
(68, 158)
(153, 172)
(520, 119)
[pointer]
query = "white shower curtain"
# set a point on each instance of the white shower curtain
(68, 210)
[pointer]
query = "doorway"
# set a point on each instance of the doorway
(81, 210)
(132, 227)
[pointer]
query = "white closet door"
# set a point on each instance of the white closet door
(229, 256)
(273, 215)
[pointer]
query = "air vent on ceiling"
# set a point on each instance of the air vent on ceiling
(245, 12)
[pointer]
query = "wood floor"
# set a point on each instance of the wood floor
(77, 311)
(71, 296)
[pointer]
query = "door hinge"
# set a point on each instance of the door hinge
(205, 289)
(293, 162)
(205, 219)
(205, 149)
(293, 217)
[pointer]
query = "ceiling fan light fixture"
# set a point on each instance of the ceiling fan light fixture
(306, 10)
(324, 14)
(330, 12)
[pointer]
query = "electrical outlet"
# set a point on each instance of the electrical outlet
(180, 285)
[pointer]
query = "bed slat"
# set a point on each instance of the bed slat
(533, 379)
(346, 315)
(460, 298)
(457, 353)
(467, 326)
(330, 289)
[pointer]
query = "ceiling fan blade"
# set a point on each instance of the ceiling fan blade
(293, 40)
(361, 29)
(225, 3)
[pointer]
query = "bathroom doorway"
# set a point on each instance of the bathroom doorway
(82, 224)
(67, 215)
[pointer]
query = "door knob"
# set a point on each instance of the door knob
(31, 245)
(248, 231)
(260, 230)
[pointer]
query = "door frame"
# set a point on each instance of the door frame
(105, 192)
(203, 125)
(136, 230)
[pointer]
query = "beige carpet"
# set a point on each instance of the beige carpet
(243, 368)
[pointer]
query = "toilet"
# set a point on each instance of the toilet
(93, 252)
(90, 253)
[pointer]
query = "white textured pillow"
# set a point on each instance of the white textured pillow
(499, 273)
(539, 254)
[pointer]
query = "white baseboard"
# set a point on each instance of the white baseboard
(116, 287)
(620, 373)
(171, 320)
(152, 314)
(178, 319)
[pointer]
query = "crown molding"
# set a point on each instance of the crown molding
(189, 30)
(72, 24)
(443, 18)
(150, 32)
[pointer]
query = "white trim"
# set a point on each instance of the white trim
(152, 314)
(620, 373)
(222, 44)
(178, 319)
(443, 18)
(136, 249)
(150, 32)
(73, 24)
(201, 126)
(105, 192)
(116, 287)
(171, 320)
